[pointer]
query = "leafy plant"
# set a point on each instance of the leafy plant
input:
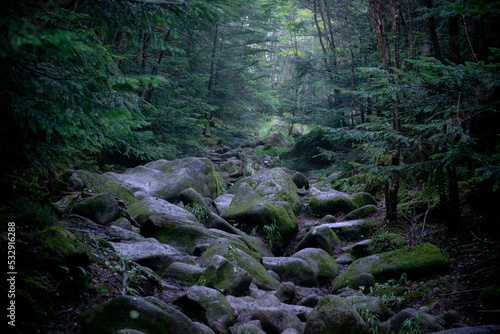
(200, 212)
(411, 326)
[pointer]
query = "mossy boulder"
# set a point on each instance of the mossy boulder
(250, 210)
(243, 258)
(225, 276)
(291, 269)
(335, 315)
(183, 272)
(328, 201)
(300, 180)
(373, 305)
(61, 248)
(167, 179)
(363, 198)
(275, 185)
(319, 237)
(362, 212)
(148, 253)
(352, 230)
(170, 224)
(191, 196)
(277, 320)
(208, 305)
(98, 183)
(416, 262)
(101, 209)
(322, 263)
(148, 315)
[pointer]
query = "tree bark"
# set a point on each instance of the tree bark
(431, 23)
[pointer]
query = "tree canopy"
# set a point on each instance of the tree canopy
(408, 89)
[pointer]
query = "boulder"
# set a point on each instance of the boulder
(185, 273)
(362, 281)
(255, 244)
(60, 248)
(300, 180)
(362, 212)
(352, 230)
(170, 224)
(417, 261)
(374, 305)
(333, 202)
(143, 314)
(123, 223)
(322, 263)
(275, 185)
(251, 327)
(286, 292)
(167, 179)
(222, 202)
(250, 210)
(191, 196)
(292, 269)
(335, 315)
(116, 232)
(101, 209)
(277, 139)
(276, 320)
(225, 276)
(90, 182)
(244, 258)
(379, 244)
(208, 305)
(410, 317)
(319, 237)
(148, 254)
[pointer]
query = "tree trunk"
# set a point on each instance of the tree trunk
(431, 22)
(454, 216)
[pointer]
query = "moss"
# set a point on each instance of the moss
(61, 245)
(334, 205)
(362, 199)
(362, 212)
(97, 183)
(418, 261)
(386, 242)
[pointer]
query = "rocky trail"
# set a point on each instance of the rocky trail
(231, 244)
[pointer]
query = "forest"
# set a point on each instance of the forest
(399, 99)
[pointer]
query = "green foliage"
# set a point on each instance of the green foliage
(411, 326)
(371, 320)
(200, 212)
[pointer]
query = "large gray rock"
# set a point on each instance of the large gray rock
(191, 196)
(329, 201)
(102, 208)
(170, 224)
(183, 272)
(426, 322)
(335, 315)
(251, 210)
(251, 327)
(97, 183)
(277, 139)
(416, 262)
(167, 179)
(322, 263)
(275, 320)
(116, 232)
(225, 276)
(291, 269)
(208, 305)
(222, 202)
(320, 237)
(374, 305)
(148, 315)
(148, 254)
(244, 258)
(352, 230)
